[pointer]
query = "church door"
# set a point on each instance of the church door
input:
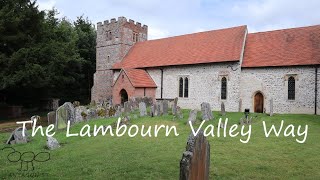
(258, 103)
(124, 96)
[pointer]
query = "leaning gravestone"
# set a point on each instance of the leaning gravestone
(223, 109)
(142, 109)
(195, 162)
(165, 107)
(174, 106)
(52, 143)
(51, 116)
(206, 111)
(65, 113)
(193, 116)
(17, 137)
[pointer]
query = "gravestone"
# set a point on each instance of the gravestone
(160, 107)
(152, 110)
(271, 107)
(17, 137)
(165, 107)
(127, 107)
(179, 114)
(174, 106)
(223, 109)
(206, 111)
(52, 143)
(193, 116)
(91, 113)
(76, 103)
(142, 109)
(79, 113)
(118, 112)
(51, 116)
(65, 113)
(195, 162)
(157, 111)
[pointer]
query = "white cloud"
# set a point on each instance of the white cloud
(46, 5)
(154, 33)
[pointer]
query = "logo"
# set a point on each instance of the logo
(26, 159)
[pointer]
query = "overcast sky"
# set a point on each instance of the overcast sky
(176, 17)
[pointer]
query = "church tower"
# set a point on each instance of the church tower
(114, 40)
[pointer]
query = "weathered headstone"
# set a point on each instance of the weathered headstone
(127, 107)
(193, 116)
(271, 107)
(160, 107)
(51, 116)
(52, 143)
(118, 112)
(142, 109)
(157, 109)
(152, 110)
(165, 107)
(195, 162)
(17, 136)
(223, 109)
(206, 111)
(79, 113)
(174, 106)
(179, 114)
(91, 114)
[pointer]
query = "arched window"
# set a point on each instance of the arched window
(224, 88)
(291, 88)
(186, 87)
(181, 87)
(108, 59)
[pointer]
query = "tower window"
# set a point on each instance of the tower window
(224, 88)
(110, 35)
(108, 58)
(184, 87)
(291, 88)
(135, 37)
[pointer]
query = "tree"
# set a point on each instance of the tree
(42, 56)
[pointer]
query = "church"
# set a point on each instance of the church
(268, 71)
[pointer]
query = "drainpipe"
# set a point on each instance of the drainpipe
(316, 90)
(161, 83)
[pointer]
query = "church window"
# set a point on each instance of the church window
(291, 88)
(108, 59)
(224, 88)
(181, 87)
(186, 87)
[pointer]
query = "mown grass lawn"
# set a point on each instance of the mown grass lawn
(106, 157)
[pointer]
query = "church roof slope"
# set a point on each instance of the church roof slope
(139, 78)
(286, 47)
(205, 47)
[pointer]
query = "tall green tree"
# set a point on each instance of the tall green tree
(42, 56)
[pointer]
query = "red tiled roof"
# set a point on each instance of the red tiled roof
(287, 47)
(139, 78)
(204, 47)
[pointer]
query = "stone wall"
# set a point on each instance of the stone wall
(113, 50)
(273, 83)
(204, 84)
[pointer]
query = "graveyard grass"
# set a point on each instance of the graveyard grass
(105, 157)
